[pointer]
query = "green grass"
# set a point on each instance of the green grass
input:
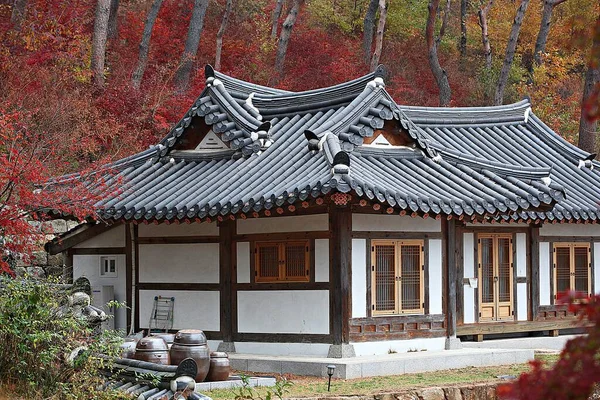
(311, 386)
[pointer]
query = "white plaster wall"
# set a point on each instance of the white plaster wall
(192, 309)
(179, 263)
(435, 276)
(521, 301)
(597, 267)
(399, 346)
(283, 311)
(570, 230)
(193, 229)
(299, 223)
(283, 349)
(243, 262)
(89, 267)
(112, 238)
(321, 260)
(374, 222)
(359, 278)
(545, 273)
(469, 272)
(521, 261)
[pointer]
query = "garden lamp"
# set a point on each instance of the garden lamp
(330, 371)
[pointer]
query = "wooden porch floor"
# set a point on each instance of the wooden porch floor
(494, 328)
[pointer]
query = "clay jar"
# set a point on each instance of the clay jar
(191, 343)
(168, 337)
(128, 348)
(152, 349)
(219, 367)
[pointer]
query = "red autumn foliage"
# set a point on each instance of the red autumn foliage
(578, 369)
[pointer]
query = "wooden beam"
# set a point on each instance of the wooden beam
(282, 337)
(395, 235)
(460, 287)
(449, 229)
(184, 286)
(492, 328)
(534, 242)
(258, 237)
(340, 272)
(98, 251)
(178, 239)
(128, 275)
(136, 273)
(227, 259)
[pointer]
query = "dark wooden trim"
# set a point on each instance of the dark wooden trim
(283, 337)
(98, 251)
(496, 229)
(210, 335)
(460, 273)
(281, 236)
(426, 276)
(492, 328)
(340, 272)
(128, 276)
(450, 229)
(201, 287)
(282, 286)
(394, 319)
(534, 240)
(178, 239)
(368, 281)
(552, 272)
(589, 239)
(79, 235)
(136, 266)
(528, 273)
(515, 309)
(68, 271)
(521, 279)
(397, 327)
(592, 269)
(227, 260)
(476, 269)
(395, 235)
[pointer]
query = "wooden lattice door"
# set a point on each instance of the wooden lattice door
(495, 277)
(572, 268)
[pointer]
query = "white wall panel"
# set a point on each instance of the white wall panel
(399, 346)
(397, 223)
(178, 263)
(545, 273)
(521, 261)
(435, 276)
(89, 267)
(193, 229)
(521, 301)
(243, 262)
(299, 223)
(359, 278)
(283, 311)
(112, 238)
(192, 309)
(469, 272)
(597, 267)
(570, 230)
(321, 260)
(283, 349)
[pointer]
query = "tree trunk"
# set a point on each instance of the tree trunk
(444, 22)
(588, 125)
(438, 72)
(113, 22)
(182, 77)
(284, 38)
(487, 49)
(221, 33)
(19, 12)
(542, 38)
(379, 36)
(369, 29)
(510, 52)
(275, 19)
(99, 41)
(463, 28)
(144, 47)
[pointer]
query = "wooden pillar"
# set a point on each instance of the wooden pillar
(534, 276)
(340, 272)
(227, 256)
(136, 273)
(128, 276)
(460, 287)
(449, 232)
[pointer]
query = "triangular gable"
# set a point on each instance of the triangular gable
(211, 142)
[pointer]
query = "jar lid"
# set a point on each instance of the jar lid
(219, 354)
(151, 344)
(190, 337)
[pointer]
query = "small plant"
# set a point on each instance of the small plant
(392, 351)
(247, 392)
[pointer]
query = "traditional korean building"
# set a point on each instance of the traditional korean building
(337, 222)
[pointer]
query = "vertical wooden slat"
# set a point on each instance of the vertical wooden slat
(450, 236)
(460, 287)
(136, 266)
(340, 254)
(227, 255)
(128, 276)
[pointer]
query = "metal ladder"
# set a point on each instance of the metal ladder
(161, 318)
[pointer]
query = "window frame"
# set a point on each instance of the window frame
(398, 308)
(107, 274)
(282, 266)
(571, 246)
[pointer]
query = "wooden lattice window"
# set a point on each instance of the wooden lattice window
(282, 261)
(397, 277)
(571, 267)
(495, 271)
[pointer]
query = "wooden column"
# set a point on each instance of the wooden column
(460, 287)
(136, 273)
(340, 272)
(227, 257)
(534, 275)
(128, 275)
(449, 231)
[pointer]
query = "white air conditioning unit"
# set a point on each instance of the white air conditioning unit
(100, 296)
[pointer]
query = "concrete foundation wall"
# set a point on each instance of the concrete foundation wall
(398, 346)
(283, 311)
(179, 263)
(394, 223)
(89, 266)
(300, 223)
(192, 309)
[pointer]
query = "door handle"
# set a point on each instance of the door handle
(495, 279)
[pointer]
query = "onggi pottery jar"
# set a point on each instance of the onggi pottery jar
(219, 367)
(191, 343)
(128, 348)
(168, 337)
(152, 349)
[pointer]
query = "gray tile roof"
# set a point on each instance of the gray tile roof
(286, 147)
